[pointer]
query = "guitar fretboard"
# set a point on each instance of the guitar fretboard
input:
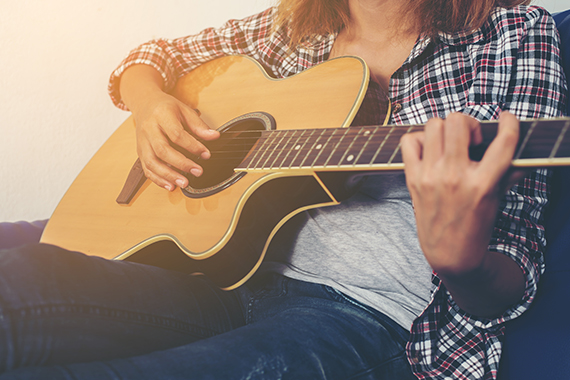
(544, 142)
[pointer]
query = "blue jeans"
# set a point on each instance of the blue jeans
(64, 315)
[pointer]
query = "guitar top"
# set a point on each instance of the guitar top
(200, 222)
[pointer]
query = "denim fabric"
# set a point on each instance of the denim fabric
(20, 233)
(64, 315)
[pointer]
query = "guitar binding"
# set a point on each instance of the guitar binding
(237, 137)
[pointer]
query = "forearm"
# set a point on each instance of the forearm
(139, 85)
(488, 290)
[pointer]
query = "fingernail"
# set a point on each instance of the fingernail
(180, 182)
(196, 172)
(168, 187)
(205, 155)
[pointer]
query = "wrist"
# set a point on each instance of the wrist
(488, 289)
(140, 86)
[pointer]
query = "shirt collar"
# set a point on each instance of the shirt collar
(326, 42)
(451, 39)
(462, 38)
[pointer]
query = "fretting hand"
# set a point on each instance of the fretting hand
(456, 200)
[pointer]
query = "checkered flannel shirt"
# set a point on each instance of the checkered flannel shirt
(512, 63)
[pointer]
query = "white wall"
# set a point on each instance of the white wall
(55, 58)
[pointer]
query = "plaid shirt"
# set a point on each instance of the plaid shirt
(512, 63)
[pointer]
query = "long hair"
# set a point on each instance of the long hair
(308, 18)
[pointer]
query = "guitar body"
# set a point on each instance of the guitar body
(223, 225)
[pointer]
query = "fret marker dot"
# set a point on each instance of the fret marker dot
(350, 158)
(298, 147)
(319, 146)
(366, 133)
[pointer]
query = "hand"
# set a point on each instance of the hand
(162, 124)
(456, 202)
(456, 199)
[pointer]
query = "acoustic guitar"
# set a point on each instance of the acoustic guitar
(284, 148)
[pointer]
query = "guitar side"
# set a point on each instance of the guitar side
(225, 234)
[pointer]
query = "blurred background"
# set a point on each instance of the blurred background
(56, 57)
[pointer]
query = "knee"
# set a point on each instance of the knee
(29, 255)
(31, 264)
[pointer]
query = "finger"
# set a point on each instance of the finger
(498, 156)
(459, 132)
(157, 171)
(159, 158)
(433, 141)
(164, 152)
(159, 181)
(411, 145)
(199, 128)
(173, 128)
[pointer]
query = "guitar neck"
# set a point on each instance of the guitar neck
(543, 143)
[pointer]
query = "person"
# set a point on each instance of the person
(412, 277)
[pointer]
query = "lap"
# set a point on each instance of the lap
(279, 328)
(19, 233)
(76, 307)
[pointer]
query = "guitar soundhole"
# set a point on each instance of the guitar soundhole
(236, 140)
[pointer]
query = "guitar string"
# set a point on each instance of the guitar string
(378, 136)
(544, 138)
(281, 147)
(539, 145)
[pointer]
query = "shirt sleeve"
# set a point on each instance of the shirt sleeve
(447, 342)
(173, 58)
(526, 53)
(536, 90)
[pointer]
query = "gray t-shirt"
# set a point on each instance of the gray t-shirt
(366, 247)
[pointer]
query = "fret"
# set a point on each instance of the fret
(318, 146)
(302, 149)
(381, 145)
(255, 152)
(526, 138)
(341, 152)
(294, 149)
(285, 143)
(272, 150)
(305, 149)
(348, 157)
(354, 151)
(265, 150)
(563, 141)
(564, 149)
(397, 155)
(293, 140)
(328, 147)
(342, 134)
(365, 155)
(391, 147)
(545, 141)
